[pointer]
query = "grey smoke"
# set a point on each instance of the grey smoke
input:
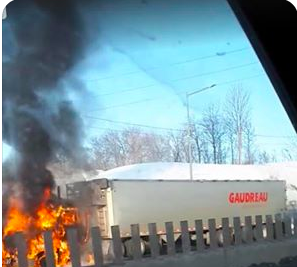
(48, 40)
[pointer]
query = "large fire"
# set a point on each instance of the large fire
(48, 216)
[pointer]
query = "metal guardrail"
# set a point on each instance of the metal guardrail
(268, 229)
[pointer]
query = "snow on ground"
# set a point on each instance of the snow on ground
(174, 170)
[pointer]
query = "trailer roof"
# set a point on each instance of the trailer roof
(194, 181)
(206, 172)
(180, 171)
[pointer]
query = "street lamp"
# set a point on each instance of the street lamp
(189, 126)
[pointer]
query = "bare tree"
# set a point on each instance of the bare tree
(249, 136)
(199, 142)
(289, 152)
(222, 152)
(183, 136)
(213, 131)
(108, 150)
(230, 138)
(237, 113)
(264, 157)
(130, 146)
(273, 156)
(177, 141)
(207, 158)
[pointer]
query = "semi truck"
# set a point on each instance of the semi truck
(125, 202)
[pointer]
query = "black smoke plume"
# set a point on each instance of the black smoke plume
(46, 41)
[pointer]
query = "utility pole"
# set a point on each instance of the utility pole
(190, 128)
(189, 139)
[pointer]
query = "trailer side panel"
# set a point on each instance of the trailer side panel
(146, 201)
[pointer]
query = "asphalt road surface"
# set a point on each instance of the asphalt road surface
(286, 262)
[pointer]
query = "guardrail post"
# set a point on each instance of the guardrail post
(226, 232)
(22, 249)
(170, 238)
(73, 247)
(154, 240)
(278, 227)
(185, 236)
(136, 242)
(259, 228)
(288, 228)
(212, 233)
(49, 249)
(200, 246)
(269, 228)
(295, 224)
(97, 246)
(237, 230)
(117, 244)
(248, 230)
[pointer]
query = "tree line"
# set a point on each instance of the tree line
(223, 134)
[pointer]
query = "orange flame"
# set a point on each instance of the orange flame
(47, 217)
(89, 258)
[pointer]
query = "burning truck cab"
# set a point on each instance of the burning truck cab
(52, 213)
(91, 200)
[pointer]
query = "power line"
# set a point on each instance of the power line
(119, 130)
(272, 144)
(125, 104)
(134, 124)
(214, 72)
(179, 79)
(241, 79)
(126, 90)
(104, 129)
(275, 136)
(211, 56)
(179, 94)
(170, 129)
(172, 64)
(163, 128)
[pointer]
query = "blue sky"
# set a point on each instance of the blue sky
(146, 55)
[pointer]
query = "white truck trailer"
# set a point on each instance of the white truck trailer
(126, 202)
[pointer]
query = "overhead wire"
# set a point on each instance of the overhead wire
(175, 80)
(170, 129)
(171, 64)
(178, 94)
(134, 124)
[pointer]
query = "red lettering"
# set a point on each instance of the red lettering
(256, 197)
(231, 197)
(248, 197)
(237, 198)
(241, 197)
(265, 197)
